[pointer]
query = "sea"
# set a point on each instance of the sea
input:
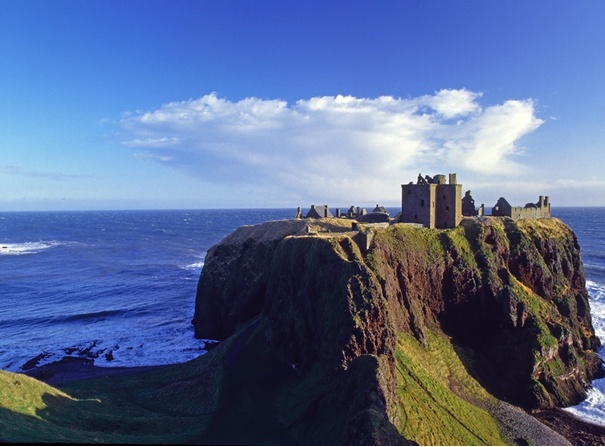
(118, 287)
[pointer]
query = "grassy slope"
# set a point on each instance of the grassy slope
(154, 408)
(435, 392)
(261, 403)
(236, 394)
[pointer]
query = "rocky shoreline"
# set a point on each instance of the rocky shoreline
(577, 431)
(71, 369)
(520, 428)
(548, 427)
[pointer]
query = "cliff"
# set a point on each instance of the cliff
(399, 334)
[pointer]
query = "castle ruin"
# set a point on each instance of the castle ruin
(433, 203)
(468, 206)
(529, 211)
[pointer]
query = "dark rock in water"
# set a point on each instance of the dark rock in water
(32, 363)
(508, 296)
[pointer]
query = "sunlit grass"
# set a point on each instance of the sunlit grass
(435, 391)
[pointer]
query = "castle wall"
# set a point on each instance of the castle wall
(448, 209)
(518, 212)
(432, 202)
(418, 204)
(529, 211)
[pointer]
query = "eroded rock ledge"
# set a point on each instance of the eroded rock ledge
(508, 298)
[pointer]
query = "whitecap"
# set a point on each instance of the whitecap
(592, 409)
(25, 248)
(195, 266)
(597, 308)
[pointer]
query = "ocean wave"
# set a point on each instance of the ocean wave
(593, 408)
(596, 290)
(94, 315)
(25, 248)
(158, 349)
(195, 266)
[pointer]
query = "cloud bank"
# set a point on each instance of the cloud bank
(333, 147)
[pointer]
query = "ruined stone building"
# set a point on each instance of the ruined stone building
(529, 211)
(318, 211)
(323, 211)
(468, 206)
(432, 202)
(377, 215)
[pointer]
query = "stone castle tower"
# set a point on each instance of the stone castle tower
(432, 202)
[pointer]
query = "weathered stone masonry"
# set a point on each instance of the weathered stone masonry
(431, 202)
(529, 211)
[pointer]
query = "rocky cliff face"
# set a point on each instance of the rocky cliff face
(504, 299)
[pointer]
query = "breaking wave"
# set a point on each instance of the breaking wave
(592, 409)
(25, 248)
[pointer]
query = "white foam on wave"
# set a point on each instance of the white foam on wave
(172, 349)
(597, 307)
(195, 266)
(25, 248)
(162, 346)
(592, 409)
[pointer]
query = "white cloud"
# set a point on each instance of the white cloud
(333, 147)
(28, 172)
(453, 103)
(580, 184)
(487, 142)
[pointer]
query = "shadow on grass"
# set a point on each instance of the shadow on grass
(118, 410)
(239, 393)
(228, 396)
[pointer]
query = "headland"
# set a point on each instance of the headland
(347, 330)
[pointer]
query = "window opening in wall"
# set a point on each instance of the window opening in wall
(422, 202)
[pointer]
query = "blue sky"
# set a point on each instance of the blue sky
(202, 104)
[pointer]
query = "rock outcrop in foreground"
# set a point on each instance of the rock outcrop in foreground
(400, 334)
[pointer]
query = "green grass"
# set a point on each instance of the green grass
(161, 407)
(258, 401)
(238, 393)
(406, 239)
(171, 405)
(434, 391)
(457, 241)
